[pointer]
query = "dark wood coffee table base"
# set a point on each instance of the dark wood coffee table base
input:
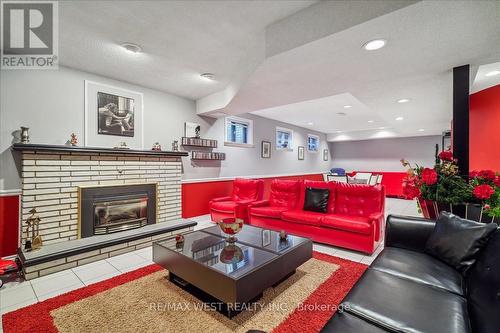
(213, 303)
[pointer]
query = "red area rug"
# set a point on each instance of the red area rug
(316, 308)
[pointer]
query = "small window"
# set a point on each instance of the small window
(283, 138)
(239, 131)
(312, 142)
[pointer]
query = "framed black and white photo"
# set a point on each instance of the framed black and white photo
(192, 130)
(265, 149)
(266, 237)
(113, 115)
(325, 154)
(301, 152)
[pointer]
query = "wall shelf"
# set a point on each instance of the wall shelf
(200, 155)
(198, 142)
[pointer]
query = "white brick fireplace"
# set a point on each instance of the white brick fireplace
(51, 181)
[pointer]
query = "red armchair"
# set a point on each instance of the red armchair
(245, 191)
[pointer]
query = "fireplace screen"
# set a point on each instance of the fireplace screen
(116, 215)
(109, 209)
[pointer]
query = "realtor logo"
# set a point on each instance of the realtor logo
(29, 34)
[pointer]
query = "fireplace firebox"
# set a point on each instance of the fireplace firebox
(110, 209)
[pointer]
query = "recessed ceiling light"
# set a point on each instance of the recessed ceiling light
(371, 121)
(310, 124)
(492, 73)
(400, 118)
(375, 44)
(403, 100)
(381, 128)
(421, 130)
(131, 47)
(347, 106)
(339, 131)
(208, 76)
(342, 113)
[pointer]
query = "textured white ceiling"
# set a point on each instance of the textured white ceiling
(481, 81)
(425, 41)
(180, 40)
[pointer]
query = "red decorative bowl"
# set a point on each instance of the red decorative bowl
(231, 226)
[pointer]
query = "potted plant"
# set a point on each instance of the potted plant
(442, 188)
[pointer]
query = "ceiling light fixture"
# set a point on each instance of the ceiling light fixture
(381, 128)
(374, 44)
(347, 106)
(310, 124)
(208, 76)
(371, 121)
(421, 130)
(403, 100)
(339, 132)
(492, 73)
(400, 118)
(131, 47)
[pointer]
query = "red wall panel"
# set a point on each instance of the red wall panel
(484, 140)
(9, 225)
(393, 182)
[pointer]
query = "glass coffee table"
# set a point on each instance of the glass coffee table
(232, 274)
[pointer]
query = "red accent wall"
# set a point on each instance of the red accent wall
(195, 196)
(9, 225)
(393, 182)
(484, 139)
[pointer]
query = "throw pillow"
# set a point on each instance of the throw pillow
(316, 199)
(457, 241)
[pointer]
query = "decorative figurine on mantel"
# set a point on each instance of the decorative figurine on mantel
(74, 140)
(122, 145)
(25, 137)
(197, 131)
(33, 222)
(175, 145)
(156, 146)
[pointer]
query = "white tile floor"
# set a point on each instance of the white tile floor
(17, 295)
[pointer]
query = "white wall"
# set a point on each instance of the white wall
(51, 103)
(384, 154)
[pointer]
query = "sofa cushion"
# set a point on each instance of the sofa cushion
(457, 241)
(402, 305)
(247, 189)
(343, 322)
(419, 267)
(483, 288)
(302, 217)
(358, 200)
(319, 184)
(357, 224)
(284, 193)
(316, 199)
(223, 206)
(268, 211)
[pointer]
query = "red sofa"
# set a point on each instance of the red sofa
(245, 191)
(354, 217)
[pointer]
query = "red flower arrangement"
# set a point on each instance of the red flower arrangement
(429, 176)
(487, 174)
(483, 192)
(411, 190)
(446, 155)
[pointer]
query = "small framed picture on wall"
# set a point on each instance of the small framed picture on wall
(265, 149)
(301, 152)
(325, 154)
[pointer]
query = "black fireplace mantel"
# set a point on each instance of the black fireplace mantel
(96, 150)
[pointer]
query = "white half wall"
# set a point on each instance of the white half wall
(384, 154)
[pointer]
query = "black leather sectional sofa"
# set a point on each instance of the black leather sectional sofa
(406, 290)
